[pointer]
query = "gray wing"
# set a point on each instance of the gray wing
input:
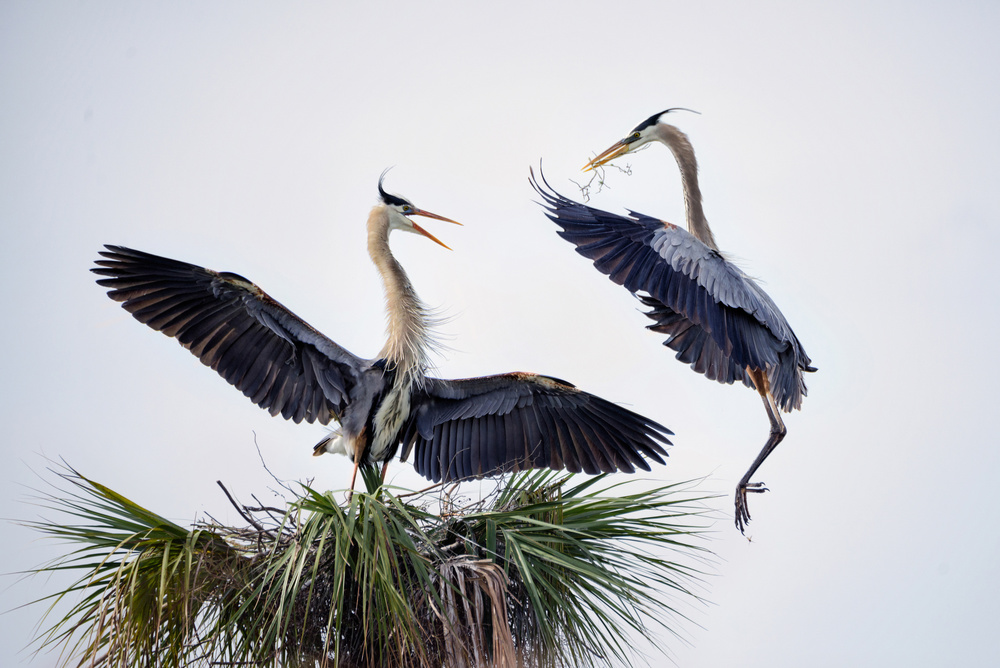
(476, 427)
(276, 359)
(717, 318)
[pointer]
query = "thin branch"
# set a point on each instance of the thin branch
(565, 568)
(249, 518)
(262, 508)
(278, 480)
(598, 174)
(422, 491)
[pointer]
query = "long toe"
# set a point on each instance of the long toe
(742, 511)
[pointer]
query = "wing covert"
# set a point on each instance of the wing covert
(476, 427)
(718, 319)
(275, 358)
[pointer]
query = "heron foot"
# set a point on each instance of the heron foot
(742, 510)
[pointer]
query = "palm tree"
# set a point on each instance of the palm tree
(550, 570)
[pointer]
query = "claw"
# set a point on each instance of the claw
(778, 431)
(742, 510)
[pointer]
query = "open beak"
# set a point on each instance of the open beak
(428, 214)
(619, 148)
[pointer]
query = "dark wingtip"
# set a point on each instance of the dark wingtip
(548, 192)
(532, 179)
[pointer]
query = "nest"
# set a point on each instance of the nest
(545, 572)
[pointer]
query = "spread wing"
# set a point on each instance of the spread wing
(475, 427)
(718, 319)
(276, 359)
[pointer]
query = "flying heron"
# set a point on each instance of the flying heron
(716, 317)
(456, 429)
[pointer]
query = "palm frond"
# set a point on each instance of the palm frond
(551, 570)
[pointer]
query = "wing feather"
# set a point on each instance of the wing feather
(584, 443)
(519, 421)
(623, 459)
(267, 352)
(693, 281)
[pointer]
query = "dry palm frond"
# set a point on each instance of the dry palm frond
(546, 572)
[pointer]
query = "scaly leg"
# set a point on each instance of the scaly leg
(354, 474)
(778, 432)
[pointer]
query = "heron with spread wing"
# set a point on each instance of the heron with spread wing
(456, 429)
(716, 318)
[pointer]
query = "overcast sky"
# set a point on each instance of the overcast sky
(849, 159)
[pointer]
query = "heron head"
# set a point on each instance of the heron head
(400, 210)
(640, 135)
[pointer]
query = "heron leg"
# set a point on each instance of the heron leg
(778, 432)
(385, 467)
(354, 474)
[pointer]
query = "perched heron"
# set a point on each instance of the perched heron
(457, 429)
(716, 317)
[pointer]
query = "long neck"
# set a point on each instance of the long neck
(407, 328)
(679, 145)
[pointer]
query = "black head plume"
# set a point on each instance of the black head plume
(652, 120)
(386, 197)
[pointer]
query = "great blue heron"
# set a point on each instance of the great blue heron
(458, 429)
(716, 317)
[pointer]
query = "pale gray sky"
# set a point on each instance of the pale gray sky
(849, 158)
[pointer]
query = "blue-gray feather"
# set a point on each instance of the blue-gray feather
(456, 429)
(718, 320)
(277, 360)
(514, 421)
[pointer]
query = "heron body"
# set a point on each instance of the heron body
(716, 318)
(456, 429)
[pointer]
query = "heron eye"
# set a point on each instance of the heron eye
(635, 135)
(406, 207)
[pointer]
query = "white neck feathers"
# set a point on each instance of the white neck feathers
(408, 339)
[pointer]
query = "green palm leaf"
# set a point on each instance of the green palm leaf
(552, 570)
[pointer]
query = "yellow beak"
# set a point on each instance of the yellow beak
(428, 214)
(619, 148)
